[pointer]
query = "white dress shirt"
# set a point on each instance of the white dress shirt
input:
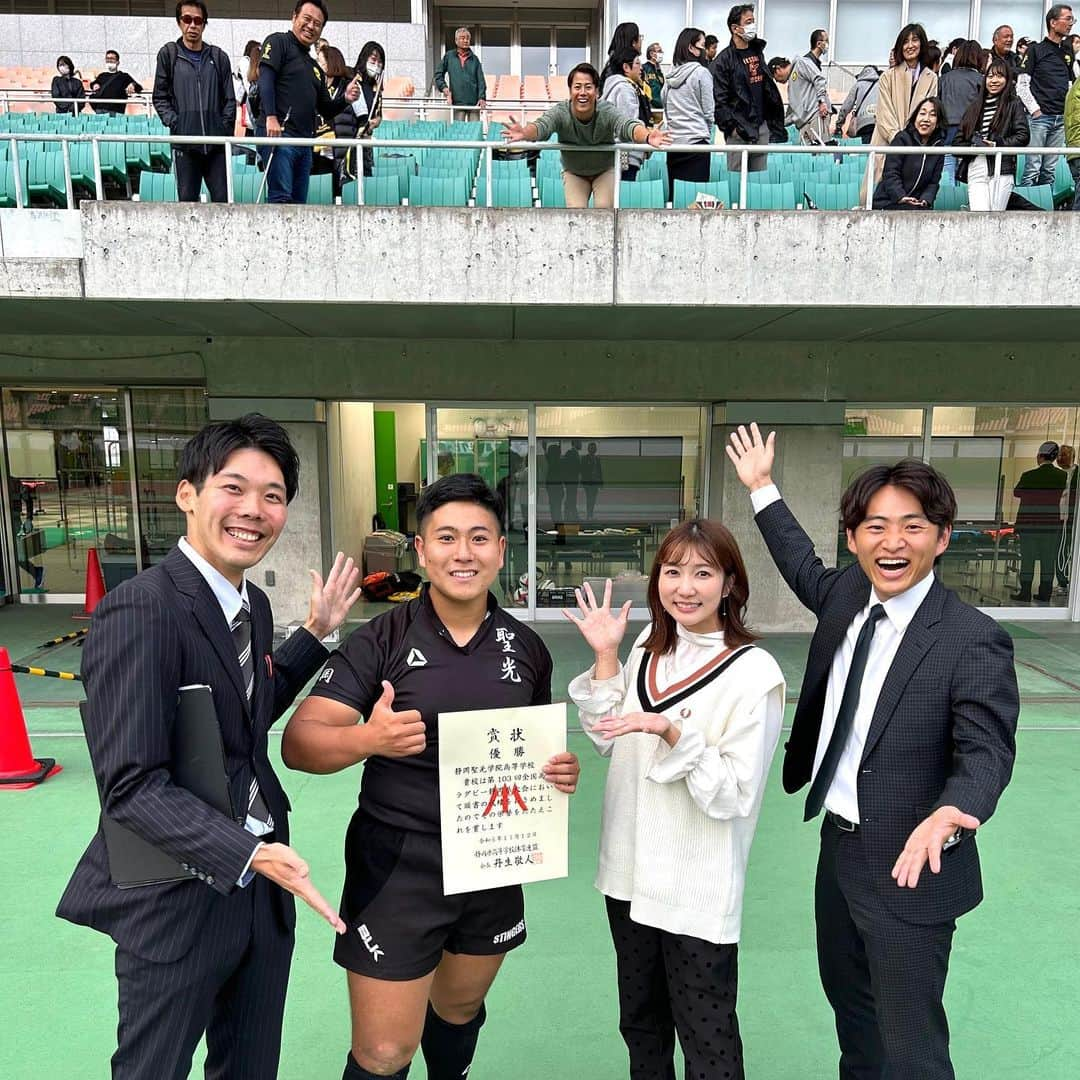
(842, 797)
(231, 600)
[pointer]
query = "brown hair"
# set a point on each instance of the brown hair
(335, 63)
(718, 548)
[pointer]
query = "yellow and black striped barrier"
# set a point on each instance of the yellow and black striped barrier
(21, 669)
(65, 637)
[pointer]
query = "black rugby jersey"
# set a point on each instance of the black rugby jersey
(505, 665)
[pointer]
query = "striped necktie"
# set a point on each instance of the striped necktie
(241, 632)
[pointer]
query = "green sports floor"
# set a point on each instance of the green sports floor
(1012, 994)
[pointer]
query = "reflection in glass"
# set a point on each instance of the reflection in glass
(164, 420)
(535, 50)
(571, 45)
(69, 487)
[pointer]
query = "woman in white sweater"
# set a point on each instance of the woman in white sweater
(690, 723)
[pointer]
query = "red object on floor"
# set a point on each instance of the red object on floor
(19, 769)
(95, 585)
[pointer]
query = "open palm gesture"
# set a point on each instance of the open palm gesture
(599, 626)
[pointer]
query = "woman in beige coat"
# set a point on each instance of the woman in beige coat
(909, 81)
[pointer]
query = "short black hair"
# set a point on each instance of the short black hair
(1055, 13)
(458, 487)
(711, 39)
(816, 36)
(585, 69)
(65, 60)
(776, 63)
(206, 452)
(112, 52)
(734, 16)
(935, 494)
(192, 3)
(621, 57)
(314, 3)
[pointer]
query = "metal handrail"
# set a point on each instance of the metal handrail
(868, 151)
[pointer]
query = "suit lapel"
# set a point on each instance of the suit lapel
(211, 618)
(920, 636)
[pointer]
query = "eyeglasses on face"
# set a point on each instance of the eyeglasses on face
(192, 20)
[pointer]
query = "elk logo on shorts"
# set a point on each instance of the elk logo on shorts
(370, 944)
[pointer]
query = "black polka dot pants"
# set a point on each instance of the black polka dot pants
(668, 984)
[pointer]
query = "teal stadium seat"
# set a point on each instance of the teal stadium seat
(45, 178)
(551, 192)
(378, 191)
(685, 191)
(830, 196)
(770, 196)
(157, 187)
(511, 190)
(7, 183)
(1040, 197)
(642, 194)
(425, 191)
(321, 190)
(952, 197)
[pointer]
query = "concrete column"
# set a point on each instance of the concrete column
(808, 473)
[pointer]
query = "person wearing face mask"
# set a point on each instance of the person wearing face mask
(689, 725)
(688, 105)
(112, 83)
(360, 121)
(910, 181)
(585, 121)
(996, 117)
(746, 103)
(652, 79)
(66, 84)
(808, 93)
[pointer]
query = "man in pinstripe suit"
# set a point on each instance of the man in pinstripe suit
(209, 954)
(906, 735)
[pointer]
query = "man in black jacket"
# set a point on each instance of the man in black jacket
(112, 85)
(1038, 521)
(292, 89)
(905, 731)
(193, 95)
(748, 105)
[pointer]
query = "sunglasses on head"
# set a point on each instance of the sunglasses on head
(192, 20)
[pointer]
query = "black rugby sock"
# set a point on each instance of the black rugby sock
(354, 1072)
(449, 1048)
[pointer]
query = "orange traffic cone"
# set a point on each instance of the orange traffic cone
(95, 585)
(18, 767)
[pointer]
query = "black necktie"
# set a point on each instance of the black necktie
(845, 717)
(241, 632)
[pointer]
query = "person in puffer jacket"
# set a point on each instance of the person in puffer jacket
(910, 181)
(688, 106)
(622, 90)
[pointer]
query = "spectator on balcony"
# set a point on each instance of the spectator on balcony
(1045, 76)
(948, 57)
(996, 117)
(293, 94)
(712, 47)
(585, 121)
(959, 87)
(858, 112)
(808, 93)
(193, 95)
(67, 83)
(688, 105)
(337, 76)
(1075, 45)
(909, 82)
(1001, 48)
(747, 105)
(910, 181)
(1072, 137)
(1067, 462)
(623, 91)
(246, 77)
(652, 78)
(365, 116)
(460, 78)
(626, 36)
(112, 86)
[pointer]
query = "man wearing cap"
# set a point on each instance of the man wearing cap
(1038, 521)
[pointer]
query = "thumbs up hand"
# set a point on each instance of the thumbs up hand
(395, 734)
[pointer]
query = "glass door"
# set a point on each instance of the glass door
(69, 490)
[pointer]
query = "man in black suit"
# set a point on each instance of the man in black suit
(905, 731)
(1038, 521)
(208, 954)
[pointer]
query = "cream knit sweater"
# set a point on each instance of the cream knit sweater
(678, 822)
